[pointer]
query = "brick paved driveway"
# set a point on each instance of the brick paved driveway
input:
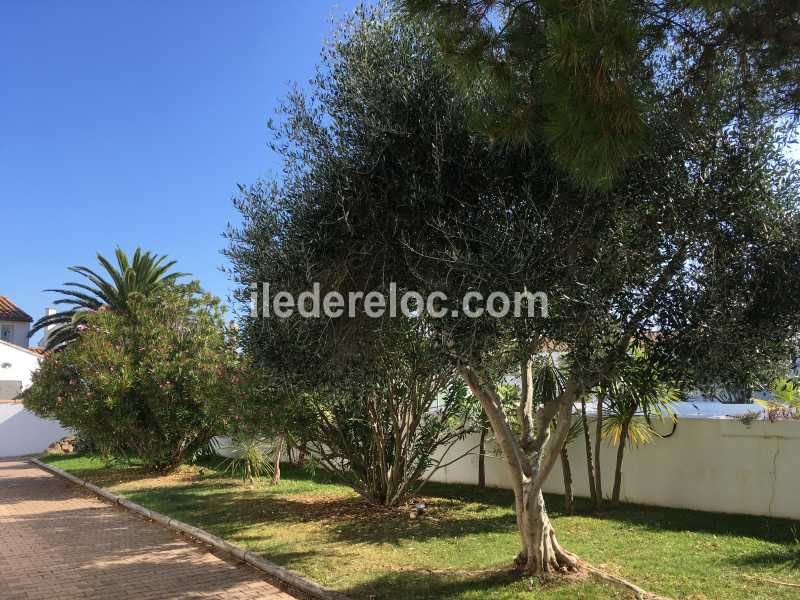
(59, 542)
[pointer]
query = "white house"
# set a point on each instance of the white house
(21, 432)
(15, 323)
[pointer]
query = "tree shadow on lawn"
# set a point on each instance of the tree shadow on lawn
(424, 584)
(770, 529)
(119, 472)
(229, 512)
(453, 510)
(654, 518)
(787, 558)
(220, 504)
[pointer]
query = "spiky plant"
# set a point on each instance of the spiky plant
(252, 458)
(144, 273)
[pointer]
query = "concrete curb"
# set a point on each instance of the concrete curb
(275, 571)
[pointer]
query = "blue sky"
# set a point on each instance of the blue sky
(130, 123)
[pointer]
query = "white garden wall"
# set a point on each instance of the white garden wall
(708, 464)
(22, 432)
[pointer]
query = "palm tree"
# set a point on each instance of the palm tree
(636, 390)
(143, 274)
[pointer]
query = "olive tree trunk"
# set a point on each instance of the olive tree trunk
(302, 453)
(530, 457)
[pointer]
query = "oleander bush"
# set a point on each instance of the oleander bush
(144, 382)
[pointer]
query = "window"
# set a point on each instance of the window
(6, 333)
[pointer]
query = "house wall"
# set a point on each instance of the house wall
(22, 432)
(20, 332)
(717, 465)
(17, 364)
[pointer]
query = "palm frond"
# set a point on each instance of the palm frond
(143, 274)
(78, 298)
(639, 432)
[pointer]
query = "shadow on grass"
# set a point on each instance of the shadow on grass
(421, 584)
(351, 519)
(427, 585)
(787, 557)
(217, 501)
(653, 518)
(289, 559)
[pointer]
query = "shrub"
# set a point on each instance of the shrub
(143, 382)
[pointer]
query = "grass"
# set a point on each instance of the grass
(462, 547)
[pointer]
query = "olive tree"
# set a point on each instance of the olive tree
(386, 183)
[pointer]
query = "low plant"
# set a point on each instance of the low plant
(748, 417)
(251, 458)
(785, 401)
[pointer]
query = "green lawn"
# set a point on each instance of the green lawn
(463, 546)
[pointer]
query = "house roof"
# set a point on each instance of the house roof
(11, 312)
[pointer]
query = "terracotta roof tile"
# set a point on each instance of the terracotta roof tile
(11, 312)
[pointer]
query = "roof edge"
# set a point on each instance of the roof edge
(20, 348)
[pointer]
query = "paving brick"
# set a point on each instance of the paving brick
(58, 541)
